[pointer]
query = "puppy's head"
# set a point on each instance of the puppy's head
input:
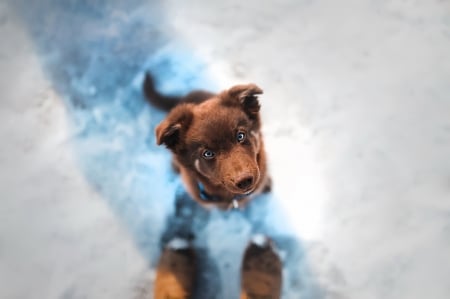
(218, 139)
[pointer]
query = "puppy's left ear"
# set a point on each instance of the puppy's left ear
(247, 95)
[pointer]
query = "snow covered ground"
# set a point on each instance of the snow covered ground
(356, 117)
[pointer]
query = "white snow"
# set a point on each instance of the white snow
(260, 240)
(178, 243)
(356, 111)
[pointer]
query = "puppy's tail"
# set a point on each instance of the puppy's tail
(155, 98)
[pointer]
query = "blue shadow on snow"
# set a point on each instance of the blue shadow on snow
(95, 54)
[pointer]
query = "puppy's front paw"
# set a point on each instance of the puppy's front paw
(261, 270)
(176, 271)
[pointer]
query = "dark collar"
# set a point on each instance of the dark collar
(205, 196)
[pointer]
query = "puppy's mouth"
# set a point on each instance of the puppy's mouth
(248, 191)
(242, 193)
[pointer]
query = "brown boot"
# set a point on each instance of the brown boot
(261, 270)
(176, 271)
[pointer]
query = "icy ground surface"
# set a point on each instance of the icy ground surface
(356, 116)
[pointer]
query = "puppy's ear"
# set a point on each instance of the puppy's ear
(247, 95)
(171, 130)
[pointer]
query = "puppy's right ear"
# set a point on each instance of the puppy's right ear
(171, 130)
(247, 96)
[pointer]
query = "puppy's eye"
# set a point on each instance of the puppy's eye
(207, 154)
(240, 136)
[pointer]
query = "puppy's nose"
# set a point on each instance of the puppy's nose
(244, 182)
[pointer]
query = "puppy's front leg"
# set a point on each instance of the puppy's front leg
(261, 272)
(176, 271)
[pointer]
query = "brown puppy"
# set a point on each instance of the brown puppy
(216, 142)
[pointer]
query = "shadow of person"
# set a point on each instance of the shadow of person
(98, 76)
